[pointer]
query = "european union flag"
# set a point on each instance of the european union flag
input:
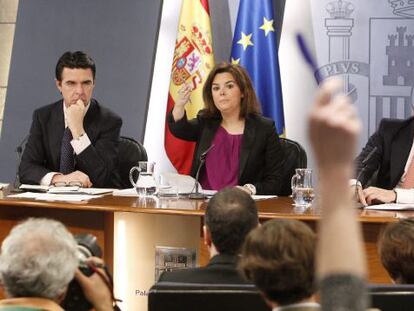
(255, 48)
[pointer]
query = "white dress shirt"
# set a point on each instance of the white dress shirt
(297, 305)
(405, 195)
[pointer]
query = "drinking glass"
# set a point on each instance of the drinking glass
(302, 189)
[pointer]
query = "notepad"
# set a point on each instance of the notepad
(54, 196)
(391, 207)
(66, 189)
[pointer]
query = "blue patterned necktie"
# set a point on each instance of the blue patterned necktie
(67, 160)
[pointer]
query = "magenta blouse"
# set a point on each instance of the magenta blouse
(222, 162)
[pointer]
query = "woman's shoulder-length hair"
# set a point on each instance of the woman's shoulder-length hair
(249, 103)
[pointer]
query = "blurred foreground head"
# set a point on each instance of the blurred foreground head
(38, 259)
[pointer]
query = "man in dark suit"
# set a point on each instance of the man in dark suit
(230, 215)
(74, 140)
(391, 157)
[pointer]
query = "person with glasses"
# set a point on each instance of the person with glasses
(73, 141)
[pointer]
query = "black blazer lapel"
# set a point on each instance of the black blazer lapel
(247, 143)
(400, 149)
(56, 127)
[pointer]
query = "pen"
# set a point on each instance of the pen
(307, 55)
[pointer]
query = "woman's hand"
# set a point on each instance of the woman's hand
(183, 98)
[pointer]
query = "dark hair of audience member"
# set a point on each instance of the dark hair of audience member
(279, 258)
(74, 60)
(249, 102)
(396, 249)
(230, 215)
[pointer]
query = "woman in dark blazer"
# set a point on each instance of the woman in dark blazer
(245, 149)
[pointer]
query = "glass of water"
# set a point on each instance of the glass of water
(302, 189)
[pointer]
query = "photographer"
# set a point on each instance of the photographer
(38, 260)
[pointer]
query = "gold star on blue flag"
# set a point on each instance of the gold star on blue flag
(258, 54)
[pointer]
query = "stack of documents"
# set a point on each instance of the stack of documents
(54, 197)
(66, 189)
(66, 194)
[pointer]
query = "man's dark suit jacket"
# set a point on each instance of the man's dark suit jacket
(261, 155)
(99, 160)
(222, 269)
(393, 140)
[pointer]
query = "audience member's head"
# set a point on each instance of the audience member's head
(396, 248)
(278, 257)
(38, 259)
(230, 215)
(74, 60)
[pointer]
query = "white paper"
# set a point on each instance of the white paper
(258, 197)
(78, 190)
(68, 189)
(391, 207)
(34, 187)
(209, 193)
(54, 197)
(184, 183)
(96, 191)
(131, 192)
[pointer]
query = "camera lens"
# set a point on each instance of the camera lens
(87, 246)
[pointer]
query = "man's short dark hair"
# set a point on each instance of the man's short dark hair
(278, 257)
(74, 60)
(230, 215)
(396, 249)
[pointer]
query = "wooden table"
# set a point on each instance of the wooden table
(176, 220)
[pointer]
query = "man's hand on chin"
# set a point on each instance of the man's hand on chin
(374, 195)
(74, 118)
(76, 176)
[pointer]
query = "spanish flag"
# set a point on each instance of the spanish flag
(193, 60)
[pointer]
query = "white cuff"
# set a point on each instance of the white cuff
(81, 143)
(251, 188)
(353, 182)
(404, 195)
(47, 179)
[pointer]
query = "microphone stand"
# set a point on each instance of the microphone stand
(19, 153)
(364, 167)
(197, 195)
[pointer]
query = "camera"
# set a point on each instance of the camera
(87, 247)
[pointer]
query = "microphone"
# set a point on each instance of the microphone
(369, 156)
(19, 152)
(204, 154)
(364, 165)
(197, 195)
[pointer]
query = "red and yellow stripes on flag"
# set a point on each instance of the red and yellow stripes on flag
(193, 60)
